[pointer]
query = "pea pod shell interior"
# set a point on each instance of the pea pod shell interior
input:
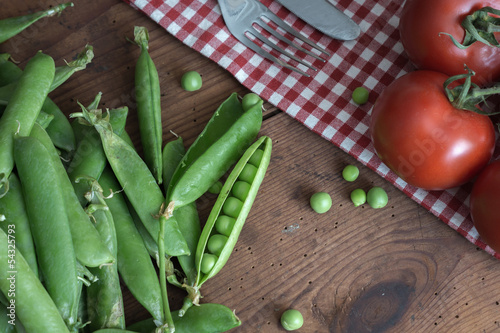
(266, 144)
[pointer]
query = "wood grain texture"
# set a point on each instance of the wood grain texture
(396, 269)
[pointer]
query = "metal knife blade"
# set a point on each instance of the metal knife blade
(323, 16)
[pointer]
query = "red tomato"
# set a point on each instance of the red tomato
(420, 26)
(484, 201)
(429, 143)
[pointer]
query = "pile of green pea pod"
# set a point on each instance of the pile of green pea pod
(81, 210)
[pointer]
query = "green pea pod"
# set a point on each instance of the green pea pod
(205, 318)
(104, 297)
(138, 183)
(23, 109)
(89, 248)
(187, 216)
(40, 316)
(134, 264)
(9, 71)
(89, 158)
(44, 119)
(147, 94)
(261, 148)
(13, 207)
(7, 325)
(59, 129)
(113, 330)
(226, 136)
(49, 222)
(61, 74)
(11, 26)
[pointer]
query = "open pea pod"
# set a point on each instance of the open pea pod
(225, 137)
(228, 215)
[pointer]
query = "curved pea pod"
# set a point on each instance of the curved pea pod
(134, 263)
(225, 137)
(222, 207)
(89, 159)
(186, 216)
(204, 318)
(23, 109)
(6, 325)
(147, 94)
(49, 221)
(41, 316)
(63, 73)
(9, 71)
(138, 184)
(104, 297)
(11, 26)
(59, 129)
(13, 207)
(89, 248)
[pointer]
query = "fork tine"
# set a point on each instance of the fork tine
(251, 44)
(264, 40)
(271, 16)
(288, 41)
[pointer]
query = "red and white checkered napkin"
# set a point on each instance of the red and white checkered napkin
(321, 102)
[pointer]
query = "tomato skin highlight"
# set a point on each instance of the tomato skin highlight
(484, 200)
(420, 136)
(420, 26)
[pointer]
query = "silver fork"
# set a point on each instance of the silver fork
(241, 16)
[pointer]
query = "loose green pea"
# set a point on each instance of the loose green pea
(360, 95)
(216, 243)
(240, 190)
(256, 157)
(215, 188)
(350, 173)
(377, 197)
(208, 262)
(292, 320)
(321, 202)
(358, 197)
(248, 173)
(224, 224)
(250, 100)
(232, 207)
(191, 81)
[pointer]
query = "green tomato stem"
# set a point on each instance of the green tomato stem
(468, 95)
(480, 26)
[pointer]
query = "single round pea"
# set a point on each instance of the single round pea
(292, 320)
(377, 197)
(232, 206)
(250, 100)
(215, 188)
(216, 243)
(240, 190)
(256, 157)
(321, 202)
(358, 197)
(350, 173)
(191, 81)
(248, 173)
(360, 95)
(224, 224)
(208, 262)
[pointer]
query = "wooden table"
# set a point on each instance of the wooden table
(396, 269)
